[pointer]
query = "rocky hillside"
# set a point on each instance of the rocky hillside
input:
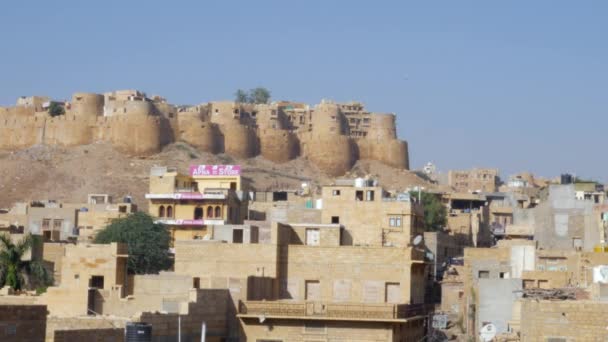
(69, 174)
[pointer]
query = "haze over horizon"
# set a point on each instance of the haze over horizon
(517, 86)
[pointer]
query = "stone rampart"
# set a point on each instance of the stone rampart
(141, 127)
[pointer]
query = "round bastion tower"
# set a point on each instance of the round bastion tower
(87, 105)
(276, 142)
(239, 140)
(381, 142)
(327, 144)
(195, 131)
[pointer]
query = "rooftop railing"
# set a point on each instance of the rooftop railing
(361, 311)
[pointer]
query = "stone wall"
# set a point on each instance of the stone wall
(299, 330)
(571, 320)
(90, 329)
(22, 323)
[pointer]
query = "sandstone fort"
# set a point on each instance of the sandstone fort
(332, 136)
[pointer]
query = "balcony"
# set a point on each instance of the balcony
(201, 222)
(331, 311)
(220, 194)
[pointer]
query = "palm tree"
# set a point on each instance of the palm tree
(16, 272)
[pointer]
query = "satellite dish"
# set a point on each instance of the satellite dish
(262, 318)
(487, 332)
(417, 240)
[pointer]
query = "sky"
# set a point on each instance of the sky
(515, 85)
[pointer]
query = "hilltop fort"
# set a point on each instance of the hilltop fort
(331, 135)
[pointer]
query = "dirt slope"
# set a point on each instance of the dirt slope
(69, 174)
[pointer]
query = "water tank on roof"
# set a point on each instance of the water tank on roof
(359, 182)
(138, 332)
(566, 178)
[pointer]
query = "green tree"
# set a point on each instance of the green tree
(55, 109)
(148, 242)
(435, 214)
(259, 95)
(241, 96)
(16, 272)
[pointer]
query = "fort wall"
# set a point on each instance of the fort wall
(87, 105)
(135, 125)
(203, 135)
(239, 140)
(278, 145)
(333, 154)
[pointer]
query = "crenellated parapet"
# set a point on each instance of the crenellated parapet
(332, 136)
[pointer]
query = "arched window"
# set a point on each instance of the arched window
(169, 211)
(218, 212)
(209, 212)
(198, 213)
(161, 211)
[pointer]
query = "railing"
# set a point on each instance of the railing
(332, 310)
(191, 189)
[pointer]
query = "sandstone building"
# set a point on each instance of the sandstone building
(481, 180)
(188, 204)
(333, 136)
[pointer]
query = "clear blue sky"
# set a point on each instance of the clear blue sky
(517, 85)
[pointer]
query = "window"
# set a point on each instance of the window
(96, 282)
(359, 195)
(392, 293)
(394, 221)
(218, 212)
(233, 186)
(279, 196)
(370, 195)
(10, 329)
(57, 224)
(335, 219)
(313, 290)
(336, 192)
(170, 211)
(483, 274)
(314, 328)
(237, 236)
(196, 282)
(46, 224)
(312, 237)
(161, 211)
(198, 213)
(209, 212)
(122, 209)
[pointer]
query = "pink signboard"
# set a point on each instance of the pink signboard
(215, 170)
(189, 195)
